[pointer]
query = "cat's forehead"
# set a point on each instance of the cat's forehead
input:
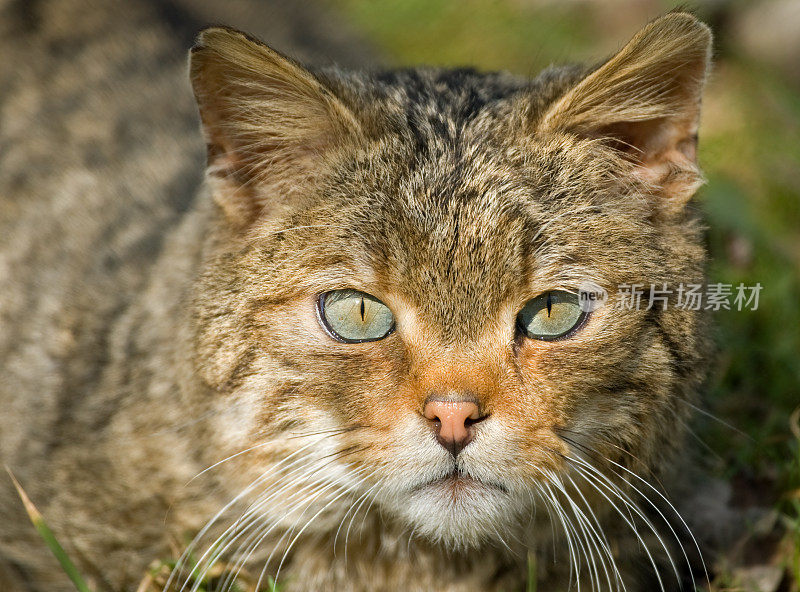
(460, 232)
(459, 218)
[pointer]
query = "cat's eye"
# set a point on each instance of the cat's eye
(551, 315)
(354, 317)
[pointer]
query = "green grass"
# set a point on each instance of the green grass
(49, 538)
(157, 575)
(210, 581)
(491, 35)
(532, 571)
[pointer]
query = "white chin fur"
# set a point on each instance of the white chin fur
(458, 516)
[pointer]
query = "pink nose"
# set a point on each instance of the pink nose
(452, 420)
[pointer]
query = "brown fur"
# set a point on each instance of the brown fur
(453, 197)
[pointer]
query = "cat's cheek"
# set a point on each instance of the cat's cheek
(545, 368)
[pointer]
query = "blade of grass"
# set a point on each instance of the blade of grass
(49, 538)
(532, 581)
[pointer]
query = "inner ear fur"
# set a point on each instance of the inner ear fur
(269, 123)
(645, 102)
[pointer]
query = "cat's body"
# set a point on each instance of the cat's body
(151, 328)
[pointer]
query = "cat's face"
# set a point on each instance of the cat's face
(448, 214)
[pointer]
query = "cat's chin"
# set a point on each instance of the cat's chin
(458, 511)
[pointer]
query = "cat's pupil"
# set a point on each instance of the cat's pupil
(362, 309)
(549, 303)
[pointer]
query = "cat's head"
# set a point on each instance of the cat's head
(388, 310)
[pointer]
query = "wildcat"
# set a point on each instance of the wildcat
(356, 357)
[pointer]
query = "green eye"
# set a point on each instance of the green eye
(551, 315)
(354, 317)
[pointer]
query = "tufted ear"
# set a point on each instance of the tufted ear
(645, 101)
(268, 123)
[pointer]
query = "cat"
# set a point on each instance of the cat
(355, 358)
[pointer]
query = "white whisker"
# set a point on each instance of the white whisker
(186, 554)
(616, 492)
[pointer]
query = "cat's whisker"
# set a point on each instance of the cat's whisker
(354, 507)
(688, 429)
(222, 545)
(556, 517)
(248, 545)
(355, 499)
(552, 477)
(366, 512)
(592, 452)
(298, 471)
(308, 523)
(628, 520)
(601, 537)
(710, 415)
(646, 498)
(605, 487)
(232, 456)
(307, 504)
(600, 540)
(671, 506)
(313, 463)
(502, 540)
(594, 539)
(252, 541)
(591, 550)
(543, 489)
(332, 432)
(252, 516)
(554, 480)
(379, 487)
(538, 493)
(209, 524)
(582, 535)
(649, 501)
(243, 523)
(261, 527)
(309, 470)
(574, 571)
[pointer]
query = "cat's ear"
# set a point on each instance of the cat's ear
(269, 124)
(645, 100)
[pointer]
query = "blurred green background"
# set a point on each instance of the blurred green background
(750, 151)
